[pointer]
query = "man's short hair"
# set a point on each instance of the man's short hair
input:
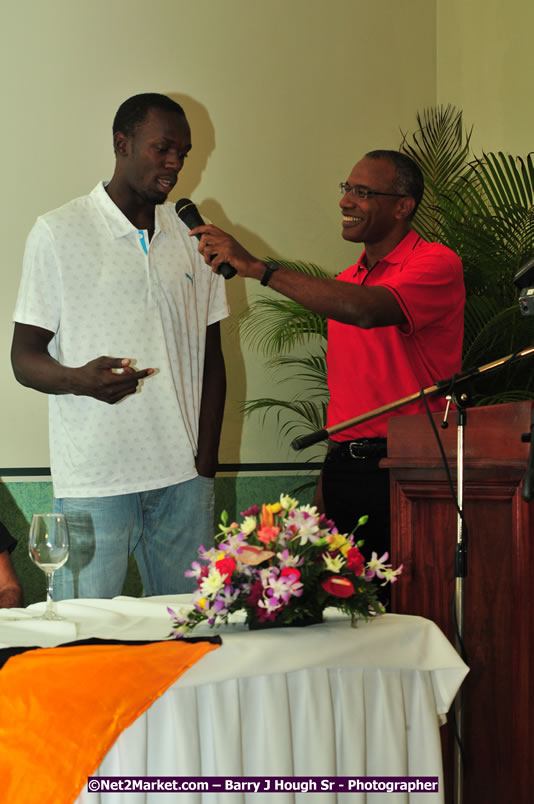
(409, 179)
(133, 111)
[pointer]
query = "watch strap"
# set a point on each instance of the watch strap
(270, 268)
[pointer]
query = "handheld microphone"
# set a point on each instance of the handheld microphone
(189, 214)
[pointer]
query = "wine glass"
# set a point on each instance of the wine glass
(49, 548)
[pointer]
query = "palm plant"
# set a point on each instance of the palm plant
(482, 208)
(278, 327)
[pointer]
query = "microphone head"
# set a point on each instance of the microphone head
(183, 202)
(188, 213)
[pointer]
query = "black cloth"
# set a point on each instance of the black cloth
(8, 653)
(7, 542)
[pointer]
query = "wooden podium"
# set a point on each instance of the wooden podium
(498, 694)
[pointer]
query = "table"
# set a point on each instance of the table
(326, 700)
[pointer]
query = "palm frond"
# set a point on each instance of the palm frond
(503, 333)
(309, 268)
(505, 186)
(479, 312)
(311, 415)
(482, 208)
(440, 147)
(440, 144)
(273, 325)
(504, 179)
(310, 369)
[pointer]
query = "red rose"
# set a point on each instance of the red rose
(338, 586)
(226, 566)
(355, 561)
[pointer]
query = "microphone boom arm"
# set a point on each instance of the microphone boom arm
(440, 388)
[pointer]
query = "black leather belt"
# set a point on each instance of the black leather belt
(358, 450)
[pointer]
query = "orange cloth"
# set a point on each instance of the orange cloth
(61, 709)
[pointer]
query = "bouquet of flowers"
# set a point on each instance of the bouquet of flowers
(283, 565)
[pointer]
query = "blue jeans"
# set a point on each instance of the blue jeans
(163, 528)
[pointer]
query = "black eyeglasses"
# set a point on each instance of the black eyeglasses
(364, 192)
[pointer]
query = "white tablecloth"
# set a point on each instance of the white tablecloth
(326, 700)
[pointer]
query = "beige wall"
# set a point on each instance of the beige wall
(283, 97)
(484, 54)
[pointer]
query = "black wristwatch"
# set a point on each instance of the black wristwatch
(270, 268)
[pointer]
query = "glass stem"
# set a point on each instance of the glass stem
(49, 593)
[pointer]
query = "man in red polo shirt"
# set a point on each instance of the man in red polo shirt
(395, 325)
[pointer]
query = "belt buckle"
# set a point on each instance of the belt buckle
(354, 446)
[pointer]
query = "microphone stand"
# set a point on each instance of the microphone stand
(460, 573)
(441, 388)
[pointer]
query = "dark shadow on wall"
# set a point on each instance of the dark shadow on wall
(203, 136)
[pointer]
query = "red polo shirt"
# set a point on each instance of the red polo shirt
(368, 368)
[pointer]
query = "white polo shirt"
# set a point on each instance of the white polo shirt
(87, 278)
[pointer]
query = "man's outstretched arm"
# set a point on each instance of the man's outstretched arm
(361, 306)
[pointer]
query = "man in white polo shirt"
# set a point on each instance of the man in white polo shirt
(117, 320)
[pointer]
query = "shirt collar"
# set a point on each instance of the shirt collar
(399, 253)
(118, 223)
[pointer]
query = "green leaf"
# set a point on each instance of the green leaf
(273, 324)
